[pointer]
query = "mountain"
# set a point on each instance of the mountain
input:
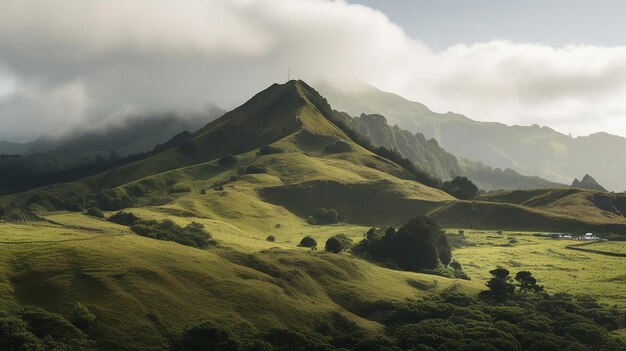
(429, 156)
(530, 150)
(258, 172)
(588, 183)
(319, 166)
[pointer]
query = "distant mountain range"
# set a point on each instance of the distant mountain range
(529, 150)
(135, 135)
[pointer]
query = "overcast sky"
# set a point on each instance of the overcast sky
(83, 63)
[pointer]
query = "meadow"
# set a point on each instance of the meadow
(556, 267)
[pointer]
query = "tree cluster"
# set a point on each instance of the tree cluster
(193, 234)
(461, 188)
(419, 244)
(323, 216)
(502, 288)
(268, 150)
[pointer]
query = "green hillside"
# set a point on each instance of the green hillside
(287, 160)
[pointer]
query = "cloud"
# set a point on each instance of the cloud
(89, 62)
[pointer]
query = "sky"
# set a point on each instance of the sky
(72, 64)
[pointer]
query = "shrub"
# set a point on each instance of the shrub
(338, 243)
(255, 169)
(307, 241)
(271, 238)
(95, 212)
(124, 218)
(202, 191)
(82, 318)
(193, 234)
(227, 160)
(268, 150)
(179, 189)
(333, 245)
(323, 216)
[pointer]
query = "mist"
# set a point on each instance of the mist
(74, 64)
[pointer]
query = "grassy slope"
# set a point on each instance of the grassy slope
(247, 282)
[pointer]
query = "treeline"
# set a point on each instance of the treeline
(450, 321)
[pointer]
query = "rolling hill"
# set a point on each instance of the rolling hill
(288, 159)
(529, 150)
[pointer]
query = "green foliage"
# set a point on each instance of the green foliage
(308, 241)
(203, 191)
(36, 329)
(124, 218)
(500, 286)
(268, 150)
(454, 321)
(82, 318)
(193, 234)
(227, 160)
(418, 244)
(111, 200)
(255, 169)
(323, 216)
(527, 282)
(461, 188)
(338, 243)
(179, 189)
(94, 212)
(333, 245)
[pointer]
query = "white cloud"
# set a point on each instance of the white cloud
(77, 61)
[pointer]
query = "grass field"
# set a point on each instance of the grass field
(137, 286)
(556, 267)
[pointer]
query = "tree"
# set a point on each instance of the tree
(307, 241)
(461, 187)
(271, 238)
(500, 286)
(333, 245)
(527, 282)
(346, 242)
(95, 212)
(227, 160)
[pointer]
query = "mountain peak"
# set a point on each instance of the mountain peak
(588, 182)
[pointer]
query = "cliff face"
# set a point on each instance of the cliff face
(425, 153)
